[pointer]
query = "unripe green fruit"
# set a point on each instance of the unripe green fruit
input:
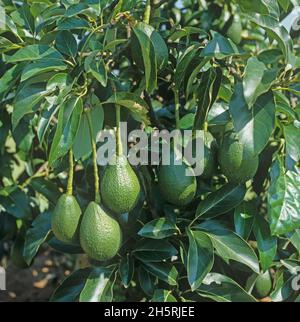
(16, 255)
(263, 284)
(235, 165)
(120, 188)
(234, 32)
(65, 219)
(175, 186)
(100, 234)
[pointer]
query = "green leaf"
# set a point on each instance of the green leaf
(24, 18)
(244, 219)
(133, 102)
(160, 47)
(161, 295)
(221, 47)
(76, 9)
(9, 79)
(158, 229)
(283, 199)
(207, 92)
(126, 270)
(285, 4)
(277, 32)
(253, 6)
(292, 138)
(146, 281)
(183, 64)
(221, 288)
(257, 80)
(73, 23)
(69, 290)
(67, 127)
(266, 244)
(295, 239)
(253, 125)
(36, 236)
(98, 286)
(154, 250)
(66, 43)
(149, 58)
(98, 70)
(200, 257)
(82, 147)
(221, 201)
(163, 271)
(230, 246)
(47, 188)
(16, 202)
(42, 66)
(27, 101)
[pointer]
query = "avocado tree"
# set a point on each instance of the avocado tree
(70, 68)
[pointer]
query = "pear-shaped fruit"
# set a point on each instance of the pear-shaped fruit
(263, 284)
(100, 234)
(119, 187)
(235, 164)
(65, 219)
(177, 183)
(16, 255)
(234, 32)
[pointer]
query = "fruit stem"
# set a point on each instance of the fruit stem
(205, 127)
(71, 173)
(177, 107)
(94, 157)
(147, 12)
(119, 148)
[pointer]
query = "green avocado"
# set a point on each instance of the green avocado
(65, 219)
(174, 185)
(235, 165)
(100, 234)
(16, 254)
(263, 284)
(119, 187)
(234, 32)
(210, 156)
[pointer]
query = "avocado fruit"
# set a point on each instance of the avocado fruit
(100, 234)
(263, 284)
(174, 185)
(234, 32)
(65, 219)
(235, 164)
(119, 187)
(16, 254)
(210, 155)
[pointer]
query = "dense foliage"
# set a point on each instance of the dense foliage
(70, 68)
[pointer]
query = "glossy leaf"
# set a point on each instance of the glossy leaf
(200, 257)
(253, 125)
(221, 288)
(243, 220)
(163, 271)
(66, 43)
(126, 270)
(154, 250)
(266, 244)
(98, 285)
(161, 295)
(158, 229)
(283, 199)
(221, 201)
(67, 127)
(36, 236)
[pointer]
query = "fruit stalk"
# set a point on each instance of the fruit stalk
(71, 174)
(119, 148)
(94, 157)
(177, 107)
(147, 12)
